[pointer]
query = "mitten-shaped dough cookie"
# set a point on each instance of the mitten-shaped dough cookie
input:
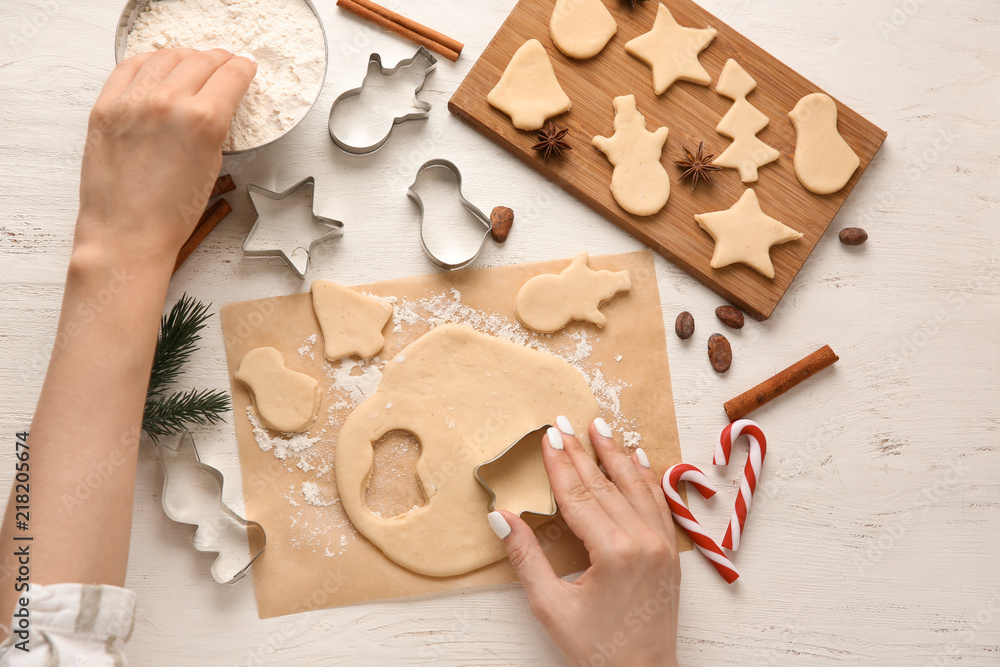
(824, 162)
(581, 28)
(286, 400)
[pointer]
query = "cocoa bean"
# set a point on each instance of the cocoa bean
(502, 219)
(731, 316)
(720, 353)
(853, 236)
(684, 326)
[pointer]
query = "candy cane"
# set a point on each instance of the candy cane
(684, 472)
(751, 473)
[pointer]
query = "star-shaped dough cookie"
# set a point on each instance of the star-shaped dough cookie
(671, 51)
(744, 233)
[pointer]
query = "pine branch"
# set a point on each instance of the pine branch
(177, 342)
(167, 415)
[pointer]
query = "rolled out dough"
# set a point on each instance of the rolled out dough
(286, 400)
(824, 162)
(548, 302)
(581, 28)
(466, 397)
(528, 90)
(351, 322)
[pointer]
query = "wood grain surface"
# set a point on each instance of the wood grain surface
(691, 112)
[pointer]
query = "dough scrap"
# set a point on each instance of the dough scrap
(466, 397)
(741, 123)
(286, 400)
(744, 233)
(528, 90)
(351, 322)
(639, 182)
(548, 302)
(824, 162)
(581, 28)
(671, 51)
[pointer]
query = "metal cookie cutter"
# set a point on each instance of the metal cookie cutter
(192, 495)
(474, 212)
(295, 251)
(523, 462)
(422, 58)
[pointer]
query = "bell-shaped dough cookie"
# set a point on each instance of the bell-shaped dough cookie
(549, 302)
(824, 162)
(671, 51)
(639, 182)
(528, 90)
(286, 400)
(351, 322)
(581, 28)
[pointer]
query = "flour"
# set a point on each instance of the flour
(284, 37)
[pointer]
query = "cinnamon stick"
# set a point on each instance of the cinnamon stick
(774, 387)
(223, 184)
(212, 216)
(404, 27)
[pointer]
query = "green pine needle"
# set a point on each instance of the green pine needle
(168, 415)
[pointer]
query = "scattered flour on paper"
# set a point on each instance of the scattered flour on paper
(307, 346)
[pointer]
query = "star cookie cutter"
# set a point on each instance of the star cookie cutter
(525, 458)
(375, 68)
(220, 531)
(299, 255)
(474, 212)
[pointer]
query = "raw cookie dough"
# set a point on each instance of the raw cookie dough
(671, 51)
(466, 397)
(639, 182)
(742, 123)
(518, 478)
(581, 28)
(824, 162)
(745, 234)
(528, 90)
(351, 322)
(286, 400)
(548, 302)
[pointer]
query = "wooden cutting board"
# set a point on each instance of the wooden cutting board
(691, 113)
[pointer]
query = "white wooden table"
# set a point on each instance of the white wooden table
(876, 540)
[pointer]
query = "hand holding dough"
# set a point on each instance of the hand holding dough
(528, 90)
(351, 322)
(286, 400)
(581, 28)
(549, 302)
(824, 162)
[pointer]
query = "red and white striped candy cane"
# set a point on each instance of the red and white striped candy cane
(684, 472)
(751, 473)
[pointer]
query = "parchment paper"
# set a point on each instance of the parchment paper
(314, 557)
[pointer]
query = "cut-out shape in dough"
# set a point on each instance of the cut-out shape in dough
(581, 28)
(741, 123)
(351, 322)
(824, 162)
(548, 302)
(639, 182)
(744, 233)
(528, 90)
(286, 400)
(671, 51)
(517, 478)
(466, 397)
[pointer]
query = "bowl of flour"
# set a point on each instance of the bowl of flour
(285, 37)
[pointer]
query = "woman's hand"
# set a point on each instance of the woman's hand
(623, 609)
(153, 151)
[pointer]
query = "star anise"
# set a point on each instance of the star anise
(550, 141)
(698, 167)
(632, 2)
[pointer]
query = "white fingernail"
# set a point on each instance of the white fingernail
(602, 428)
(564, 425)
(641, 455)
(498, 524)
(555, 438)
(225, 47)
(248, 56)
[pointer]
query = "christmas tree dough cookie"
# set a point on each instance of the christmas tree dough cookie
(351, 322)
(639, 182)
(824, 162)
(581, 28)
(671, 51)
(741, 124)
(548, 302)
(528, 90)
(745, 234)
(286, 400)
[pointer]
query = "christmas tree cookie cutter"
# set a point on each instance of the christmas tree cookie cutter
(192, 495)
(296, 252)
(422, 58)
(522, 461)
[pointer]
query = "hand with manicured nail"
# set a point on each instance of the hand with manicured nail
(623, 609)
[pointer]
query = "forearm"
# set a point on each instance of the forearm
(85, 433)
